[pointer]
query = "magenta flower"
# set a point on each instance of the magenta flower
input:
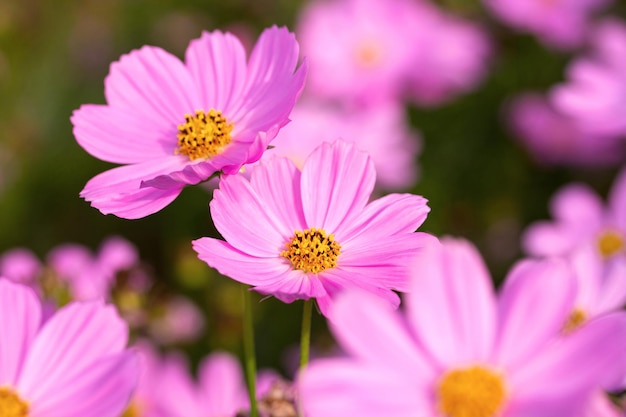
(581, 218)
(553, 138)
(461, 352)
(561, 24)
(310, 234)
(75, 364)
(175, 123)
(595, 91)
(383, 131)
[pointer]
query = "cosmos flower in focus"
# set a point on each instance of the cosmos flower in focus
(73, 364)
(460, 351)
(176, 123)
(311, 234)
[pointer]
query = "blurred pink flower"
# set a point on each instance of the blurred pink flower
(176, 123)
(382, 131)
(581, 218)
(181, 321)
(595, 91)
(450, 56)
(357, 48)
(89, 275)
(20, 265)
(560, 24)
(74, 364)
(553, 138)
(312, 233)
(461, 352)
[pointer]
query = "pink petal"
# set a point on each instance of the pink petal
(386, 216)
(613, 293)
(534, 303)
(617, 200)
(578, 204)
(103, 389)
(119, 136)
(279, 182)
(70, 342)
(340, 388)
(217, 63)
(222, 383)
(545, 238)
(337, 180)
(20, 318)
(243, 219)
(154, 85)
(118, 191)
(451, 305)
(369, 329)
(273, 83)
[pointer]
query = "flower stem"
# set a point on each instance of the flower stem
(305, 336)
(248, 347)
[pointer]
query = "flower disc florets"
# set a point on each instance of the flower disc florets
(312, 250)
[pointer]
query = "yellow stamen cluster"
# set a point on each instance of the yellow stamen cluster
(11, 405)
(132, 410)
(574, 321)
(203, 135)
(610, 242)
(471, 392)
(312, 250)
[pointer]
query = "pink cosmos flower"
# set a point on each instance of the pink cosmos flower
(175, 123)
(595, 91)
(561, 24)
(461, 352)
(20, 265)
(382, 131)
(364, 60)
(580, 218)
(553, 138)
(312, 233)
(75, 364)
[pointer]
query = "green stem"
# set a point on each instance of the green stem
(248, 347)
(305, 337)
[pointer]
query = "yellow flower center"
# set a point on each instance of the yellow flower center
(368, 54)
(470, 392)
(133, 410)
(610, 242)
(11, 405)
(574, 321)
(312, 250)
(203, 135)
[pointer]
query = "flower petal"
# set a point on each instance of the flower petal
(20, 318)
(534, 303)
(577, 204)
(246, 222)
(69, 343)
(152, 84)
(102, 389)
(217, 63)
(119, 136)
(337, 180)
(451, 304)
(617, 200)
(222, 385)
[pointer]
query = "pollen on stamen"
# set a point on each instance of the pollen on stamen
(610, 243)
(11, 405)
(576, 319)
(203, 135)
(471, 392)
(312, 250)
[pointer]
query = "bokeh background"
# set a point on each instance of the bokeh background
(54, 54)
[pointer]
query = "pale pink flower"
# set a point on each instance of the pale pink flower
(357, 48)
(383, 131)
(553, 138)
(460, 351)
(180, 321)
(311, 233)
(20, 265)
(74, 364)
(176, 123)
(594, 93)
(581, 218)
(561, 24)
(449, 56)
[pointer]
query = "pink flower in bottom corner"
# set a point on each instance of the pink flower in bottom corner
(460, 351)
(72, 365)
(173, 123)
(311, 233)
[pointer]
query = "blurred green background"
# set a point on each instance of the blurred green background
(54, 55)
